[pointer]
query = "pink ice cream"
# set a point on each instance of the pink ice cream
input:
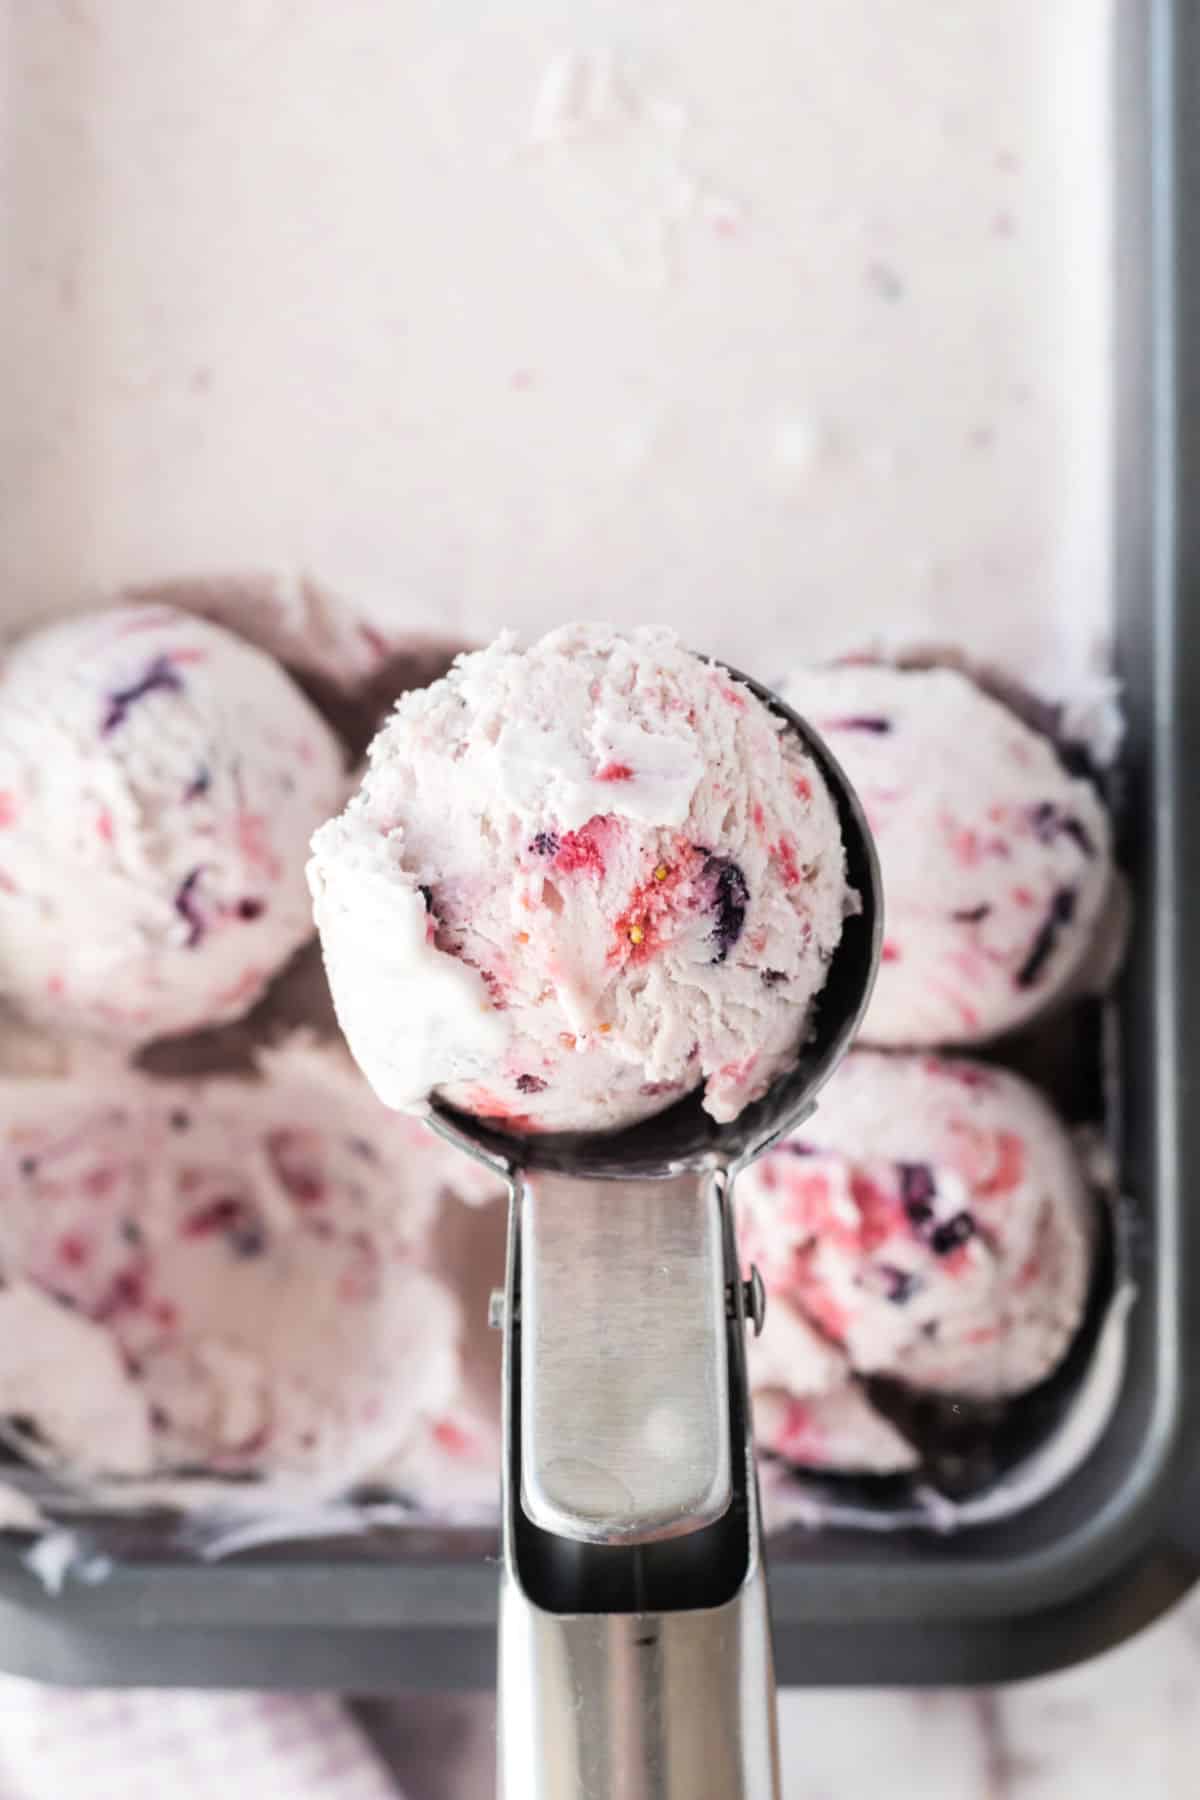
(809, 1408)
(838, 1431)
(159, 781)
(578, 882)
(930, 1222)
(996, 862)
(232, 1278)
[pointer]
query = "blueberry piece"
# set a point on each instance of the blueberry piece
(131, 1232)
(1078, 832)
(179, 1120)
(1044, 819)
(1048, 823)
(161, 677)
(730, 901)
(250, 909)
(917, 1189)
(247, 1241)
(28, 1165)
(26, 1426)
(772, 977)
(899, 1284)
(1062, 911)
(199, 784)
(546, 843)
(953, 1233)
(864, 722)
(531, 1084)
(185, 906)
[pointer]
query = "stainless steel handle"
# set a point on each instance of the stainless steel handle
(637, 1666)
(673, 1706)
(624, 1356)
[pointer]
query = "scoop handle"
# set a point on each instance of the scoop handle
(617, 1706)
(635, 1648)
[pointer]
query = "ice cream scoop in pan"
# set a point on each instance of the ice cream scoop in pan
(635, 1654)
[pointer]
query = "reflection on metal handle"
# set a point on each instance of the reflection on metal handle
(673, 1706)
(634, 1665)
(624, 1357)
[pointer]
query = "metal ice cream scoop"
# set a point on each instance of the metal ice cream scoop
(635, 1651)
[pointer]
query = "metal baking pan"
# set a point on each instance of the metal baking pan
(1117, 1541)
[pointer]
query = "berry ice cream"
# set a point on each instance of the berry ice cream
(931, 1222)
(159, 781)
(578, 882)
(230, 1278)
(996, 862)
(839, 1432)
(808, 1407)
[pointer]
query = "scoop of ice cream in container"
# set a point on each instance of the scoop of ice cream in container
(159, 778)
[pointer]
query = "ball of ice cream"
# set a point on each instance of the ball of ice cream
(579, 881)
(838, 1431)
(229, 1277)
(931, 1222)
(808, 1407)
(996, 862)
(159, 782)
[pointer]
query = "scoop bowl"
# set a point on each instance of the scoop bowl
(683, 1136)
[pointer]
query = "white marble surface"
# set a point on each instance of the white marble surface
(1124, 1725)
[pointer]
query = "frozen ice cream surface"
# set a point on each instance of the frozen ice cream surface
(230, 1278)
(579, 881)
(839, 1431)
(930, 1222)
(996, 862)
(808, 1407)
(159, 782)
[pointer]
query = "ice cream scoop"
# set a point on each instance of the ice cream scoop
(997, 860)
(159, 780)
(932, 1223)
(634, 1636)
(229, 1278)
(579, 881)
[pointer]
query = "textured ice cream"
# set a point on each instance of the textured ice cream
(996, 862)
(231, 1278)
(808, 1407)
(159, 781)
(662, 326)
(839, 1431)
(931, 1222)
(579, 881)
